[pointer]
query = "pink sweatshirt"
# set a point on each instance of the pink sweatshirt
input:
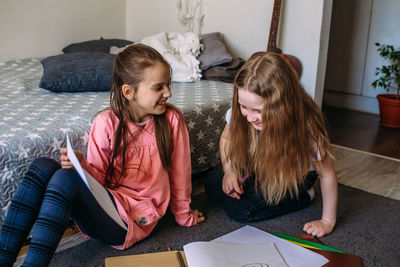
(146, 188)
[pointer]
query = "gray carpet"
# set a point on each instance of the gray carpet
(368, 226)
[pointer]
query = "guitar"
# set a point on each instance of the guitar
(273, 33)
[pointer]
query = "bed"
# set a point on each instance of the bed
(35, 121)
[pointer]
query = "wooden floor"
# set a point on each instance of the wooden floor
(361, 131)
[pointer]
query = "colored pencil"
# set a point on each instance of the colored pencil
(240, 183)
(306, 242)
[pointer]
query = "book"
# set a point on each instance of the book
(173, 258)
(221, 254)
(335, 258)
(210, 254)
(99, 192)
(230, 250)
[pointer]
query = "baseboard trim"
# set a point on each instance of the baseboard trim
(367, 153)
(352, 102)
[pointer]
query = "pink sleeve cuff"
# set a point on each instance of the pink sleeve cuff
(186, 221)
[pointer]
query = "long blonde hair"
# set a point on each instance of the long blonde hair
(293, 133)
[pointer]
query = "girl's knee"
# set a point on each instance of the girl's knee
(45, 165)
(43, 168)
(67, 185)
(65, 178)
(236, 212)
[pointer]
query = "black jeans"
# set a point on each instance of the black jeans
(251, 207)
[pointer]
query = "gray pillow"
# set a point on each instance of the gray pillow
(101, 45)
(214, 52)
(78, 72)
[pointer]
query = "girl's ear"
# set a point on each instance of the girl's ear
(128, 91)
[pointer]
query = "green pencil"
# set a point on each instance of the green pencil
(308, 243)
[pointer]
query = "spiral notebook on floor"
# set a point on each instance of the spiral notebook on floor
(210, 254)
(172, 258)
(230, 249)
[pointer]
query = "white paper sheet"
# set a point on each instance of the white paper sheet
(75, 162)
(98, 191)
(224, 254)
(294, 255)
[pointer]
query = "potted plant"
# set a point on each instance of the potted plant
(388, 78)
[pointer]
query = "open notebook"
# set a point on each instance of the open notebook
(246, 246)
(216, 254)
(210, 254)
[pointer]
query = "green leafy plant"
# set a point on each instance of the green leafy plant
(388, 75)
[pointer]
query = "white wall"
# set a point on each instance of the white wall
(385, 29)
(304, 28)
(41, 28)
(352, 59)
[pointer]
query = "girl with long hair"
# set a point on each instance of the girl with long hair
(138, 151)
(273, 148)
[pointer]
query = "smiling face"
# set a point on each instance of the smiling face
(251, 106)
(150, 97)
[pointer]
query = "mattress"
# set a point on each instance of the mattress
(35, 121)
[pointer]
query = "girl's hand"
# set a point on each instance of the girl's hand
(318, 228)
(64, 160)
(198, 215)
(229, 182)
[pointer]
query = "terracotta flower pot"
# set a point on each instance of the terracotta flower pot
(389, 110)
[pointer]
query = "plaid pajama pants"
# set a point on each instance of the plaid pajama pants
(46, 199)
